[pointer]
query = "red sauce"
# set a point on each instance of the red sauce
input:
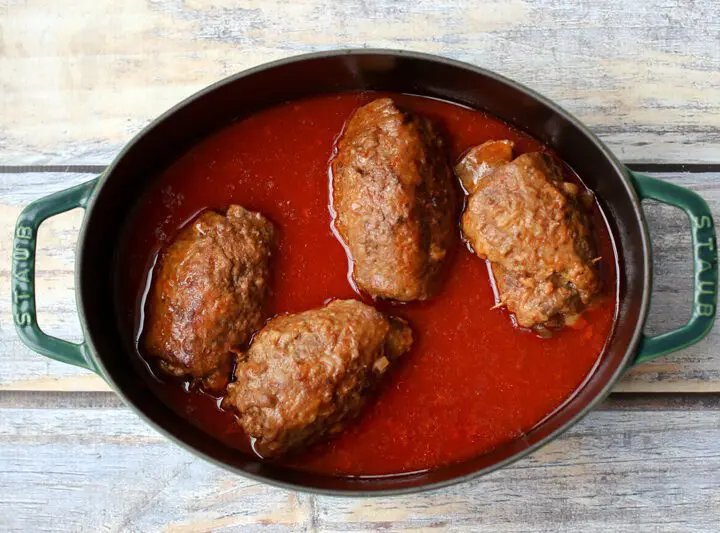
(471, 381)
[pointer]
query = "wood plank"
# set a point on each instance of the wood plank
(696, 369)
(104, 469)
(643, 75)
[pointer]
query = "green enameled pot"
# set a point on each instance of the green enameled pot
(108, 199)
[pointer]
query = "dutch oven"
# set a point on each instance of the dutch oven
(109, 199)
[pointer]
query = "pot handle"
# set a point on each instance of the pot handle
(705, 261)
(23, 276)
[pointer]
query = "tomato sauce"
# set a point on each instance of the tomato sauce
(471, 382)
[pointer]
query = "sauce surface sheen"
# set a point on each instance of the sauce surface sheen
(471, 382)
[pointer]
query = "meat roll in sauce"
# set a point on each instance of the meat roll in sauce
(468, 384)
(394, 201)
(208, 294)
(305, 375)
(531, 224)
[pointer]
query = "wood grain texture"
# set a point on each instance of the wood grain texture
(77, 84)
(105, 470)
(696, 369)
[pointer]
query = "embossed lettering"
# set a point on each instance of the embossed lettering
(22, 275)
(709, 244)
(21, 254)
(23, 232)
(20, 296)
(704, 266)
(706, 287)
(23, 319)
(703, 222)
(705, 309)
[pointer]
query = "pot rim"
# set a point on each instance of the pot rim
(607, 387)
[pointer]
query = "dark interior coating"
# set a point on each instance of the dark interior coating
(306, 374)
(394, 201)
(532, 226)
(208, 294)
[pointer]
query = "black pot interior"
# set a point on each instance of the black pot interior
(244, 94)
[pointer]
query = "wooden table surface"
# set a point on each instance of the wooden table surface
(77, 82)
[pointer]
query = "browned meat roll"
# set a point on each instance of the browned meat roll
(305, 375)
(529, 222)
(394, 201)
(208, 294)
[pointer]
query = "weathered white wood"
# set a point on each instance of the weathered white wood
(696, 369)
(105, 470)
(77, 84)
(616, 471)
